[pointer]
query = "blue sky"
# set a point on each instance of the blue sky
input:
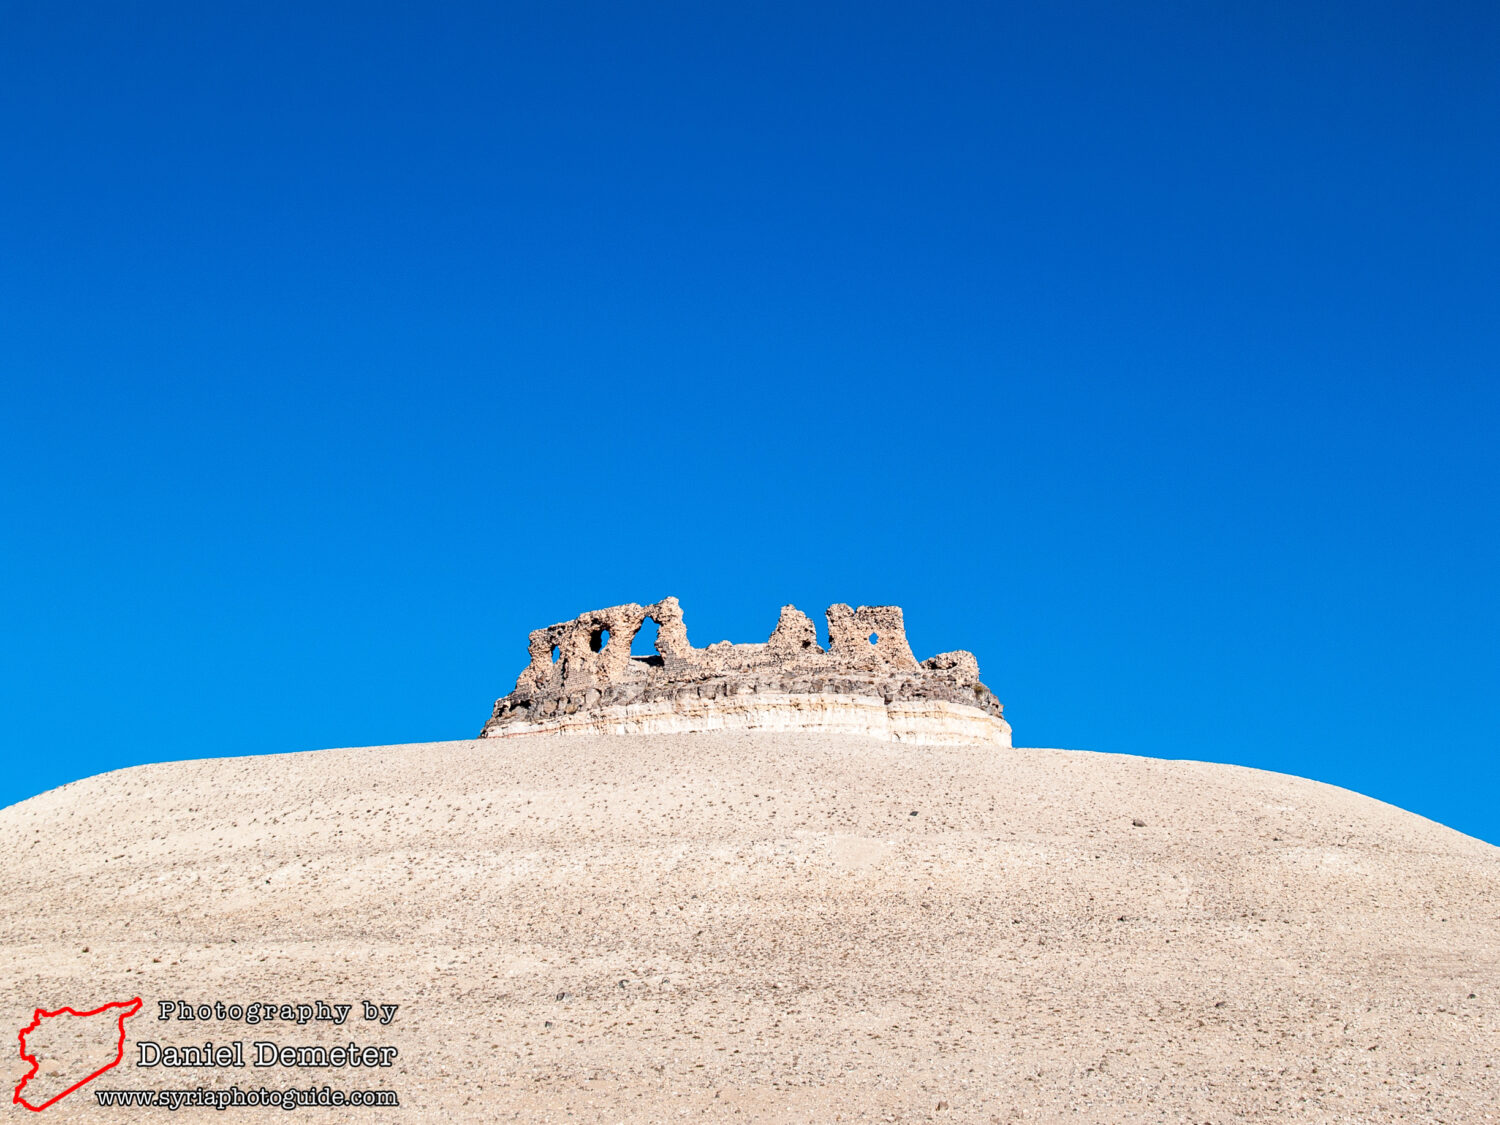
(1149, 351)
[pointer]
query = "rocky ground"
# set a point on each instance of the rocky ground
(771, 927)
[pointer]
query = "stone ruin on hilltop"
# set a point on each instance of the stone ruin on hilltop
(583, 678)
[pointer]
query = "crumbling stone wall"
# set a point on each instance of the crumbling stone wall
(584, 664)
(794, 637)
(594, 648)
(958, 666)
(870, 634)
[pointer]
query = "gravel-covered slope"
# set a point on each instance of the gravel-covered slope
(774, 927)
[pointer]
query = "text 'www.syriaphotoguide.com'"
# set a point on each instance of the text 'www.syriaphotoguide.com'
(290, 1098)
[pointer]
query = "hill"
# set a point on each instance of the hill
(775, 927)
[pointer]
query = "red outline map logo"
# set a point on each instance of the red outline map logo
(131, 1007)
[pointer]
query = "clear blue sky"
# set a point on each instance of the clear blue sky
(1148, 350)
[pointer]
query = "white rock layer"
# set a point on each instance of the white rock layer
(918, 722)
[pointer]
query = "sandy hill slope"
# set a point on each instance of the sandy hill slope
(772, 927)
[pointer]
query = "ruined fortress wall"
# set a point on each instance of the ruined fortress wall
(582, 677)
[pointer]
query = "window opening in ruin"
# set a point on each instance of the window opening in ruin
(874, 638)
(645, 639)
(554, 654)
(598, 639)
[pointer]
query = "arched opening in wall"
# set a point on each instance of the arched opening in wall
(598, 638)
(643, 647)
(554, 654)
(874, 638)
